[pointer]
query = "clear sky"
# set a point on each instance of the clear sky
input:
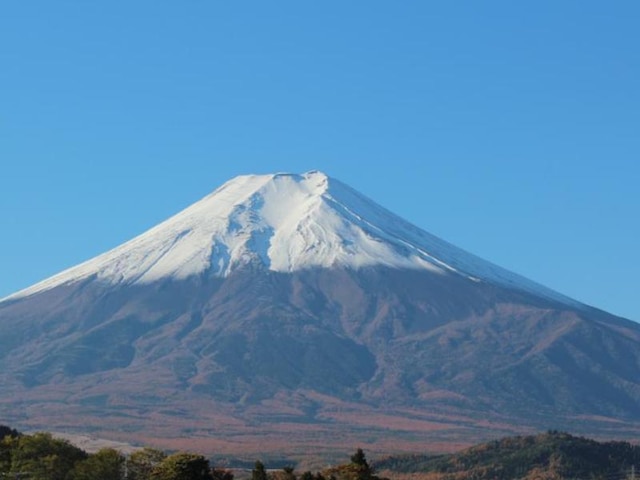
(511, 129)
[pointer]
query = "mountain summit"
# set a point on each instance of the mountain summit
(294, 309)
(284, 222)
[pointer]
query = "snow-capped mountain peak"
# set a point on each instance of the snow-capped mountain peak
(286, 222)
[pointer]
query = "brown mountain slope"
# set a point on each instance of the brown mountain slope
(385, 357)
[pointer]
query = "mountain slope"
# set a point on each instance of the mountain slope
(293, 307)
(288, 223)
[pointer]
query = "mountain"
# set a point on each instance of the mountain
(286, 223)
(294, 309)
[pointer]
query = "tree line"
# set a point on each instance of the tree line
(41, 456)
(551, 455)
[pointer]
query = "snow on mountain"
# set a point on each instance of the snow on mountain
(287, 222)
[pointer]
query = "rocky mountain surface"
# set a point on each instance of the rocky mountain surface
(289, 309)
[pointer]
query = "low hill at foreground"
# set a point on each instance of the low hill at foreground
(552, 455)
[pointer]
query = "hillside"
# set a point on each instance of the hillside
(552, 455)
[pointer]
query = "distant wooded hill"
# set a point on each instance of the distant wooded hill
(553, 455)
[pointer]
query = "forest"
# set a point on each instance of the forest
(549, 456)
(41, 456)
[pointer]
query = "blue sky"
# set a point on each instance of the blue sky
(511, 129)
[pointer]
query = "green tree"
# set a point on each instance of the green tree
(183, 466)
(8, 431)
(360, 467)
(258, 472)
(44, 457)
(359, 459)
(142, 463)
(288, 473)
(105, 464)
(221, 474)
(7, 444)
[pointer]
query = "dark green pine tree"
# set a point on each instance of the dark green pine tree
(258, 472)
(359, 460)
